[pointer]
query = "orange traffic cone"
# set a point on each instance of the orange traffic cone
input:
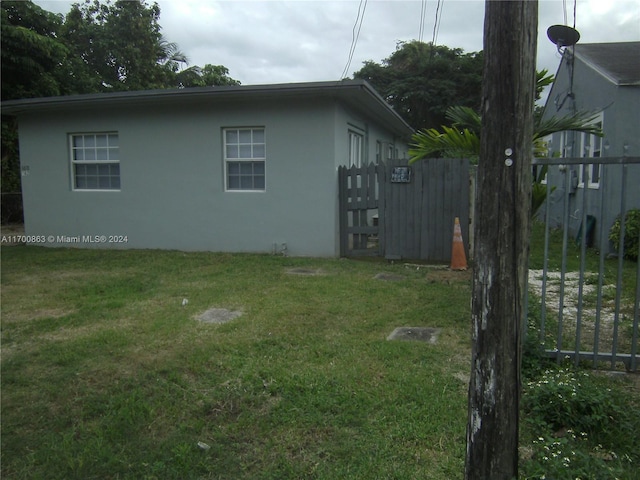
(458, 258)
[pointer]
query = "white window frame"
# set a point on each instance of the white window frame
(244, 152)
(590, 146)
(90, 152)
(356, 148)
(385, 151)
(547, 145)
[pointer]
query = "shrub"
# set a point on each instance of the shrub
(631, 235)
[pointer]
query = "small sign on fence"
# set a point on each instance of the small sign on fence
(401, 175)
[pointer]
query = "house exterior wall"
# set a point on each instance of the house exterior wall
(172, 177)
(620, 108)
(373, 133)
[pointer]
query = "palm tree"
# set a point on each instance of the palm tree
(169, 54)
(462, 139)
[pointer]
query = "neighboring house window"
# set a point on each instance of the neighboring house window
(95, 161)
(392, 153)
(245, 155)
(355, 148)
(543, 150)
(591, 146)
(385, 151)
(584, 145)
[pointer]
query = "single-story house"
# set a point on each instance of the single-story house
(602, 78)
(232, 169)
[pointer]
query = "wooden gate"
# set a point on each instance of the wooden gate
(400, 211)
(359, 201)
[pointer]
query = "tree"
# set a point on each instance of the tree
(32, 64)
(421, 80)
(501, 239)
(32, 53)
(208, 76)
(119, 45)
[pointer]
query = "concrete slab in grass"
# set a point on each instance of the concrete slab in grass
(309, 272)
(389, 277)
(218, 315)
(417, 334)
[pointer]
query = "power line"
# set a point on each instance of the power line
(436, 23)
(423, 11)
(355, 35)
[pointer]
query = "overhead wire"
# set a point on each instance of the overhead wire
(436, 23)
(436, 28)
(355, 35)
(423, 11)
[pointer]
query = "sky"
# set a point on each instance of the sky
(277, 41)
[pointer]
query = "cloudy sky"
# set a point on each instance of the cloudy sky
(276, 41)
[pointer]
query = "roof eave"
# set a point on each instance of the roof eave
(341, 89)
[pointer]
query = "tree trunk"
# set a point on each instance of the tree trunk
(501, 248)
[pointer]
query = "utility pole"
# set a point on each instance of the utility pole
(501, 248)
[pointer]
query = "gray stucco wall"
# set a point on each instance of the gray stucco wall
(172, 177)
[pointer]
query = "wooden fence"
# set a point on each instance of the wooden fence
(396, 210)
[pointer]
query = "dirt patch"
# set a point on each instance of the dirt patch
(21, 316)
(570, 303)
(449, 276)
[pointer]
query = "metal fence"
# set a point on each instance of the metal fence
(583, 314)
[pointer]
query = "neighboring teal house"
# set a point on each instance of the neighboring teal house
(233, 169)
(603, 78)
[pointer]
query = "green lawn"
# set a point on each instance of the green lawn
(106, 375)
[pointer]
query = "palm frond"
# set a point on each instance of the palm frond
(464, 117)
(579, 122)
(450, 143)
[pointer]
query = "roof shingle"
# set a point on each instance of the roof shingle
(620, 62)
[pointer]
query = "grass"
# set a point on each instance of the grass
(106, 375)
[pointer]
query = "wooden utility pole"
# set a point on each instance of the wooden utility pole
(501, 248)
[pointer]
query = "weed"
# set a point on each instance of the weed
(578, 425)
